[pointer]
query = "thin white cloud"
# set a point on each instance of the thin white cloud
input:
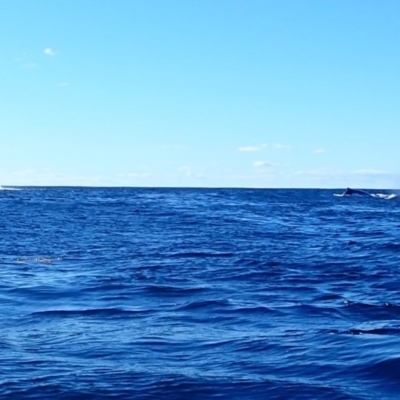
(324, 172)
(248, 148)
(252, 148)
(262, 164)
(319, 151)
(135, 175)
(277, 146)
(280, 146)
(370, 172)
(49, 52)
(48, 178)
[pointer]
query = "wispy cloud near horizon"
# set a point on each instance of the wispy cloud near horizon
(49, 52)
(252, 148)
(277, 146)
(281, 146)
(262, 164)
(248, 149)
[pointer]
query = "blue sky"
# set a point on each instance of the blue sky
(208, 93)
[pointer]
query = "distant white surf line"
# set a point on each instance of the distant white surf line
(8, 188)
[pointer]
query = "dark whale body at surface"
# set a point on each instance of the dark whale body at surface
(364, 193)
(359, 192)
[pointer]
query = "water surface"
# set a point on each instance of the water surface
(198, 294)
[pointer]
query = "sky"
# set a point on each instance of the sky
(200, 93)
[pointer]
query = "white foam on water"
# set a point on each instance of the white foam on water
(8, 188)
(384, 196)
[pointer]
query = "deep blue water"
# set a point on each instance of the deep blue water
(198, 294)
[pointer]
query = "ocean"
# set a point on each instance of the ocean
(156, 293)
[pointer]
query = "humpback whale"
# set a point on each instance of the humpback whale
(359, 192)
(349, 192)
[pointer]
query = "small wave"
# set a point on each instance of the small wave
(257, 310)
(381, 312)
(377, 331)
(108, 312)
(203, 304)
(45, 260)
(395, 246)
(312, 310)
(387, 370)
(199, 254)
(173, 290)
